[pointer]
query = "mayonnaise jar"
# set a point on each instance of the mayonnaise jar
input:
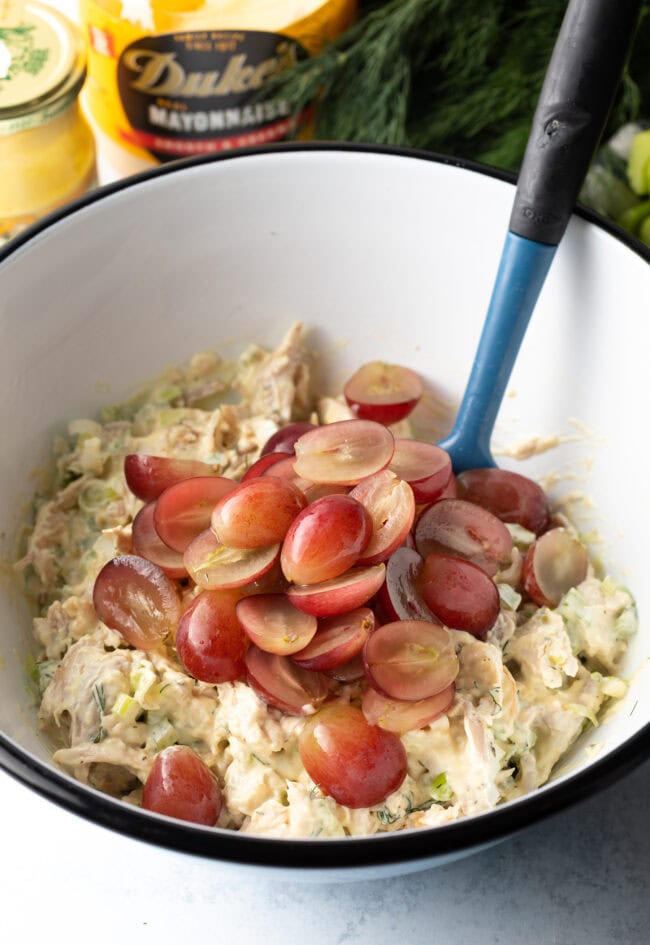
(47, 152)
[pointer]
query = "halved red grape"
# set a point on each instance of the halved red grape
(356, 763)
(466, 530)
(410, 659)
(284, 469)
(213, 565)
(390, 504)
(136, 598)
(345, 452)
(400, 594)
(280, 683)
(325, 540)
(460, 594)
(554, 563)
(180, 785)
(318, 490)
(509, 496)
(425, 466)
(210, 639)
(351, 590)
(398, 716)
(262, 464)
(284, 440)
(149, 476)
(451, 489)
(148, 544)
(347, 672)
(383, 392)
(184, 510)
(339, 639)
(275, 625)
(257, 513)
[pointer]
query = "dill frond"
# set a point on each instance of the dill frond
(457, 76)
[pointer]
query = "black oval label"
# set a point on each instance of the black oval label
(202, 91)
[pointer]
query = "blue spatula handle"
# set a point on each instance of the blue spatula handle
(519, 280)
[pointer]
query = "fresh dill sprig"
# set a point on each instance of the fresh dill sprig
(99, 697)
(457, 76)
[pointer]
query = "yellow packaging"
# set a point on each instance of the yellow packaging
(172, 78)
(47, 152)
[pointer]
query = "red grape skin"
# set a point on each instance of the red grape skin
(325, 540)
(136, 598)
(460, 594)
(279, 682)
(284, 439)
(356, 763)
(343, 452)
(184, 510)
(149, 476)
(180, 785)
(401, 717)
(425, 466)
(339, 640)
(391, 506)
(509, 496)
(400, 594)
(466, 530)
(260, 466)
(257, 513)
(210, 640)
(347, 592)
(554, 563)
(148, 544)
(385, 393)
(275, 625)
(410, 659)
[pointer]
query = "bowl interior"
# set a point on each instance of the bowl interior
(381, 257)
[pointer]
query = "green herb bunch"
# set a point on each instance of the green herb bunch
(457, 76)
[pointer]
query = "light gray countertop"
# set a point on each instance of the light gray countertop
(581, 878)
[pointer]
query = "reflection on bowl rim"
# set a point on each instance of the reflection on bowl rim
(406, 846)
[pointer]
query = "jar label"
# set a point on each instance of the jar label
(202, 91)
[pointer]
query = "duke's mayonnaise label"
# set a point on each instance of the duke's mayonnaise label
(188, 78)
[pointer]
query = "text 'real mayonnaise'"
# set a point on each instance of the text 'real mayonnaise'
(172, 78)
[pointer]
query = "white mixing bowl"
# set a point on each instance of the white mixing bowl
(383, 255)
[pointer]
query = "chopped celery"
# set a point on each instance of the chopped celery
(521, 537)
(644, 231)
(573, 610)
(612, 686)
(96, 494)
(638, 168)
(509, 596)
(127, 708)
(162, 735)
(165, 395)
(626, 624)
(584, 711)
(441, 792)
(41, 673)
(144, 682)
(634, 218)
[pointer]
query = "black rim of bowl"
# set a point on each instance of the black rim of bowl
(386, 849)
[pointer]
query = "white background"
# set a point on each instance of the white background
(579, 879)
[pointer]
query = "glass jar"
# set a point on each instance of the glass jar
(172, 78)
(47, 151)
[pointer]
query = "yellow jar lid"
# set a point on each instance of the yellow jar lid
(42, 63)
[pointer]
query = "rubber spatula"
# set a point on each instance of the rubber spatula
(584, 72)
